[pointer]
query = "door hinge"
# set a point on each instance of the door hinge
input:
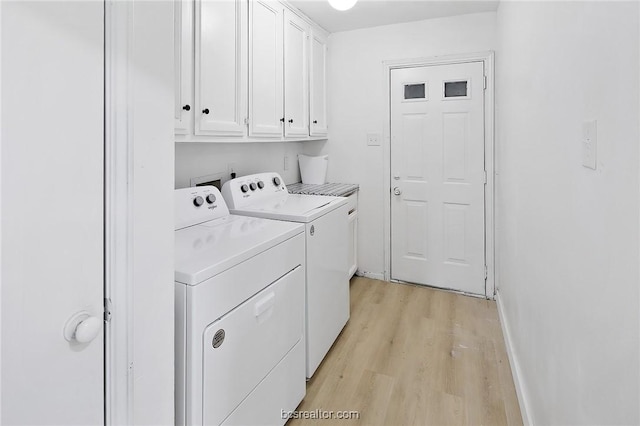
(486, 272)
(107, 310)
(485, 82)
(246, 121)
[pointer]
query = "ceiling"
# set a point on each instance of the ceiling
(372, 13)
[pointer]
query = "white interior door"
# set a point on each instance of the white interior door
(438, 176)
(52, 211)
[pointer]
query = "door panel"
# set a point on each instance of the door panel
(220, 67)
(266, 68)
(455, 134)
(52, 210)
(437, 169)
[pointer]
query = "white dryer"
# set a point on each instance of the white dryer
(239, 285)
(327, 240)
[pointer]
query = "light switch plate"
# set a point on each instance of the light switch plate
(589, 144)
(373, 139)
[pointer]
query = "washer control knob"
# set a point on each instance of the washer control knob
(198, 201)
(276, 181)
(252, 186)
(260, 184)
(244, 188)
(211, 198)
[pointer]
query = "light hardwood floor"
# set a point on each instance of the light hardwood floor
(412, 355)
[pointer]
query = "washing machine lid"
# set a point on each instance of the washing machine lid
(293, 207)
(203, 251)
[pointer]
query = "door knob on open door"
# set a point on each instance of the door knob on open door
(82, 327)
(397, 191)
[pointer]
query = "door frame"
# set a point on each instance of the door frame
(487, 58)
(118, 213)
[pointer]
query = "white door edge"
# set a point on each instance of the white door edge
(1, 144)
(487, 58)
(118, 212)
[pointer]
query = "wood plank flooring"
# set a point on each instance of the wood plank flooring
(412, 355)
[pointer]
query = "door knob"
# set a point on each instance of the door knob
(397, 191)
(205, 111)
(187, 107)
(82, 327)
(396, 177)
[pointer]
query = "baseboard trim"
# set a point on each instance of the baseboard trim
(515, 366)
(372, 275)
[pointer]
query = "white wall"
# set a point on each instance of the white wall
(567, 235)
(356, 105)
(201, 159)
(153, 164)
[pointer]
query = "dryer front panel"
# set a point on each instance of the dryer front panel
(242, 347)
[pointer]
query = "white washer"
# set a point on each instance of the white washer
(327, 241)
(239, 285)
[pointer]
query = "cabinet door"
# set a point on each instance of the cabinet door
(265, 64)
(221, 67)
(296, 88)
(318, 82)
(183, 39)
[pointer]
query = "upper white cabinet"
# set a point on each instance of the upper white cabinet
(243, 72)
(220, 67)
(318, 85)
(296, 75)
(265, 68)
(183, 39)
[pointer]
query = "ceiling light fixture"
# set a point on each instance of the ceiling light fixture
(342, 4)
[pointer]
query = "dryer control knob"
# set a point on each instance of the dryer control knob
(244, 188)
(198, 201)
(276, 181)
(211, 198)
(252, 186)
(260, 184)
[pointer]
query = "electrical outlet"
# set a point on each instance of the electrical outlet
(373, 139)
(285, 165)
(589, 143)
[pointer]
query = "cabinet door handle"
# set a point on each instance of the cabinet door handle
(205, 111)
(187, 107)
(315, 121)
(291, 121)
(282, 120)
